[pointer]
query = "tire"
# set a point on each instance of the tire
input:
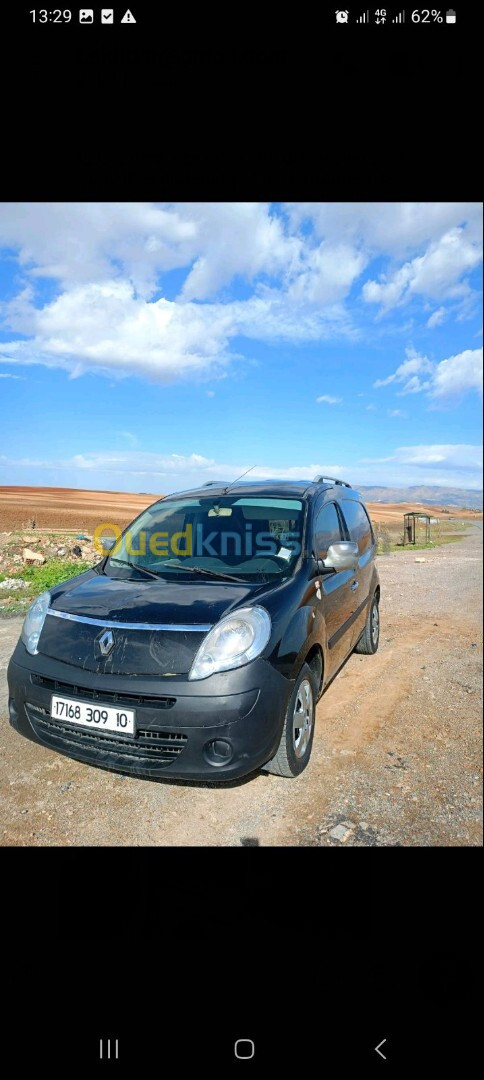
(370, 637)
(295, 746)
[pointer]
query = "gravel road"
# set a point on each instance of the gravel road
(396, 757)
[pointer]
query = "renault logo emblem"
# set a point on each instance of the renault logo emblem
(105, 642)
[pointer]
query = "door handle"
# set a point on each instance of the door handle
(354, 586)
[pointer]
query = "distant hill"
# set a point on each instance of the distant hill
(433, 496)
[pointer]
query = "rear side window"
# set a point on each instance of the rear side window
(327, 529)
(358, 523)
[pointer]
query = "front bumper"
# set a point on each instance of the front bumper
(177, 722)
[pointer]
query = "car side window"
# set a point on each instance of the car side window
(327, 529)
(358, 524)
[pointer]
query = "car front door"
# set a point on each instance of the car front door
(358, 528)
(335, 600)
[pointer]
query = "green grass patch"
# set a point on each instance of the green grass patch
(38, 578)
(422, 547)
(52, 573)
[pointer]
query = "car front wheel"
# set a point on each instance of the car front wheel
(294, 749)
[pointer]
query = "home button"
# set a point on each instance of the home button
(244, 1049)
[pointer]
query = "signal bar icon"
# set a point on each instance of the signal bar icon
(364, 18)
(399, 18)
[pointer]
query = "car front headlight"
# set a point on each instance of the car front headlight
(34, 621)
(235, 640)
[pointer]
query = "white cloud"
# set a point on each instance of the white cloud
(371, 408)
(327, 274)
(76, 243)
(106, 265)
(12, 377)
(414, 386)
(188, 469)
(458, 374)
(132, 470)
(106, 327)
(329, 400)
(453, 465)
(390, 228)
(453, 455)
(449, 379)
(236, 238)
(436, 318)
(397, 413)
(436, 274)
(128, 437)
(413, 364)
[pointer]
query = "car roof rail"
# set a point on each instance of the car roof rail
(215, 483)
(330, 479)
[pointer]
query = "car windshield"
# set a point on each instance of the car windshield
(224, 536)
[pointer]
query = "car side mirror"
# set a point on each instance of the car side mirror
(342, 555)
(108, 542)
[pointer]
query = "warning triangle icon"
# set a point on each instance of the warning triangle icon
(128, 17)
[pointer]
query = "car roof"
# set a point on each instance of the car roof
(271, 488)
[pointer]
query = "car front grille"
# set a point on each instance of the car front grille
(157, 747)
(108, 696)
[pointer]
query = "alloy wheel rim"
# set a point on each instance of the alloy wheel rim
(375, 624)
(302, 718)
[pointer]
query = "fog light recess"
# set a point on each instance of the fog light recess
(13, 711)
(218, 752)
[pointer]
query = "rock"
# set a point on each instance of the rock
(76, 551)
(30, 540)
(341, 833)
(419, 560)
(61, 551)
(33, 557)
(13, 583)
(87, 553)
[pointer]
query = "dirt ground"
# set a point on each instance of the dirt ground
(64, 508)
(396, 757)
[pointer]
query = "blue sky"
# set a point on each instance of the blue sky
(150, 347)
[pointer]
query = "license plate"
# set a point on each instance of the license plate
(96, 717)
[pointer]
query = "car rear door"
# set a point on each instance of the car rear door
(358, 528)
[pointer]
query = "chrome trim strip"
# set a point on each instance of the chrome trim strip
(196, 627)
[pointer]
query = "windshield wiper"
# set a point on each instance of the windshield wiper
(204, 570)
(135, 566)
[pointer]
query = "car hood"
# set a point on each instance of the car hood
(157, 626)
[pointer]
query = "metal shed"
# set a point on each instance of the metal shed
(409, 530)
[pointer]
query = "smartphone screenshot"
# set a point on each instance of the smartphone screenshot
(241, 540)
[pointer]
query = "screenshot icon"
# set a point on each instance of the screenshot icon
(86, 15)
